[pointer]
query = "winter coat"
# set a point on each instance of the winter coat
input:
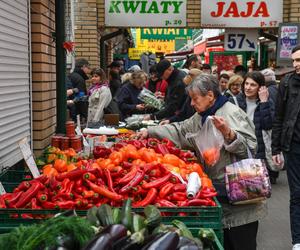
(78, 78)
(128, 99)
(157, 86)
(287, 112)
(263, 118)
(185, 112)
(238, 121)
(114, 86)
(98, 101)
(175, 96)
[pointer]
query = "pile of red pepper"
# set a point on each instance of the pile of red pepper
(82, 188)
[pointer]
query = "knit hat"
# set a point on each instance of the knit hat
(269, 75)
(134, 68)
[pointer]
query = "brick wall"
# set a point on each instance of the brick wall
(86, 31)
(291, 11)
(43, 73)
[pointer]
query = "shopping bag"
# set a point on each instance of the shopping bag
(150, 100)
(247, 181)
(267, 138)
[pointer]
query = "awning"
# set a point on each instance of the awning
(200, 48)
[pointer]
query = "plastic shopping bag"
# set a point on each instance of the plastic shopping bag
(147, 97)
(209, 141)
(247, 181)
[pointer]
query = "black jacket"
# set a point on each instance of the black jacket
(286, 115)
(114, 86)
(175, 96)
(185, 112)
(78, 78)
(263, 117)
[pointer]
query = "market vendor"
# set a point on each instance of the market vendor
(240, 221)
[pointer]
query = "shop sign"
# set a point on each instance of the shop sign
(166, 34)
(135, 53)
(162, 46)
(247, 14)
(159, 13)
(240, 40)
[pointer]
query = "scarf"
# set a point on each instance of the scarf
(220, 101)
(96, 87)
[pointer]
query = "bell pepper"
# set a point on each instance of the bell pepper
(104, 192)
(29, 194)
(128, 177)
(158, 182)
(149, 199)
(165, 190)
(109, 180)
(135, 181)
(60, 165)
(42, 197)
(152, 142)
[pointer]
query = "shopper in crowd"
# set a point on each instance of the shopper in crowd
(134, 68)
(286, 139)
(193, 62)
(240, 222)
(223, 83)
(71, 92)
(78, 78)
(206, 68)
(99, 97)
(240, 70)
(254, 100)
(234, 87)
(187, 109)
(128, 100)
(114, 83)
(156, 85)
(117, 66)
(175, 95)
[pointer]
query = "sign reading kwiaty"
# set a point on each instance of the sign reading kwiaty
(241, 13)
(136, 13)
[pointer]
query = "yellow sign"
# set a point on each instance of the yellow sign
(162, 46)
(135, 53)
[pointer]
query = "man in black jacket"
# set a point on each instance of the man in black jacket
(78, 78)
(175, 94)
(286, 139)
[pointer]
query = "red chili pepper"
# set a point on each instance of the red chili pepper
(150, 198)
(79, 190)
(198, 202)
(174, 150)
(99, 182)
(165, 190)
(152, 142)
(183, 203)
(41, 179)
(109, 180)
(55, 184)
(203, 195)
(42, 197)
(103, 191)
(70, 187)
(23, 186)
(179, 187)
(165, 203)
(29, 194)
(139, 190)
(178, 196)
(2, 202)
(128, 177)
(157, 183)
(89, 176)
(88, 194)
(161, 149)
(63, 196)
(78, 183)
(65, 204)
(49, 205)
(64, 186)
(155, 172)
(127, 165)
(77, 196)
(72, 175)
(26, 216)
(34, 204)
(13, 199)
(174, 179)
(135, 181)
(167, 142)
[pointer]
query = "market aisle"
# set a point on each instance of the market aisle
(274, 231)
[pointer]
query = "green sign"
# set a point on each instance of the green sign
(166, 34)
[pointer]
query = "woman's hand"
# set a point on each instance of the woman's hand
(222, 125)
(140, 107)
(263, 94)
(142, 134)
(164, 122)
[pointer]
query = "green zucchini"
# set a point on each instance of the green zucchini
(153, 217)
(91, 216)
(117, 216)
(207, 236)
(184, 231)
(127, 214)
(104, 214)
(138, 223)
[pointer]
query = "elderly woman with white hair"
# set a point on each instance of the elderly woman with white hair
(240, 222)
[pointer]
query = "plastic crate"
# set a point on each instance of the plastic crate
(13, 175)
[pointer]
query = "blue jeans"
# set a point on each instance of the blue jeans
(293, 173)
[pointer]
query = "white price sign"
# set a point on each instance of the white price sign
(240, 40)
(28, 157)
(2, 190)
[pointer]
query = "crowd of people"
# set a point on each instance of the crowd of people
(244, 106)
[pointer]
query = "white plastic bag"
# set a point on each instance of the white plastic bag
(209, 141)
(150, 99)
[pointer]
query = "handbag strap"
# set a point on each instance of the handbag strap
(250, 155)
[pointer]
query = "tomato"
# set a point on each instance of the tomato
(211, 156)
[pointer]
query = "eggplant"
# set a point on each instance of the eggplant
(190, 247)
(116, 231)
(150, 239)
(100, 242)
(167, 241)
(121, 242)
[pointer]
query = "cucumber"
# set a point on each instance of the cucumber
(153, 217)
(104, 214)
(91, 216)
(184, 231)
(117, 216)
(207, 236)
(126, 214)
(138, 223)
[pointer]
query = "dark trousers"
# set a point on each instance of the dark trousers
(292, 160)
(241, 238)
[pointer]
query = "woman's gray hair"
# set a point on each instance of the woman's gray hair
(204, 83)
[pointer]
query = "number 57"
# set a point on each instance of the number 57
(233, 39)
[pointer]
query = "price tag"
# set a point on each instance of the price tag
(28, 157)
(2, 190)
